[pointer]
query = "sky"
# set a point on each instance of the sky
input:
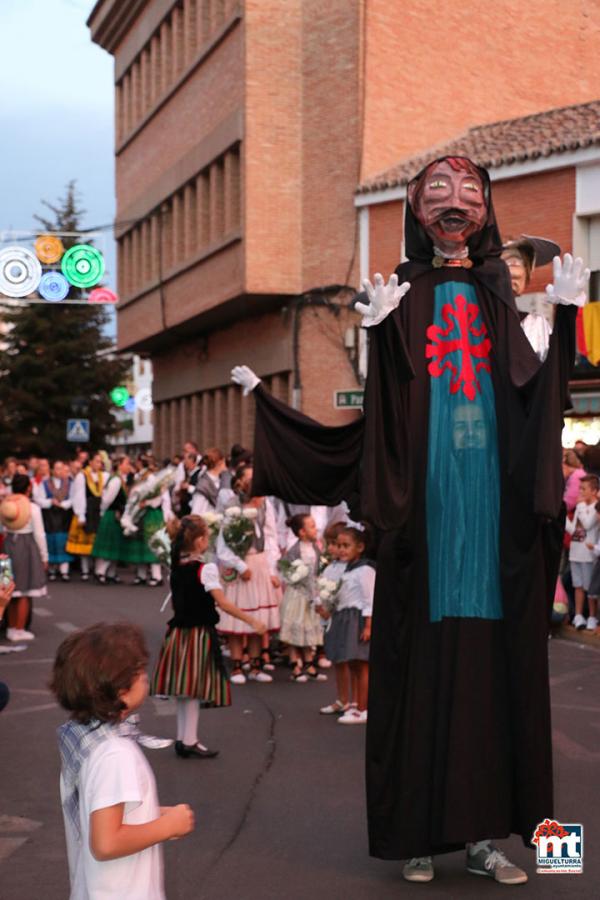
(57, 114)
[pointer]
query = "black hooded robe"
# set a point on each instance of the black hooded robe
(458, 736)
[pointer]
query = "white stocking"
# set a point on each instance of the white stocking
(188, 713)
(85, 565)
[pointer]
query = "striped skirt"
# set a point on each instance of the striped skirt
(190, 665)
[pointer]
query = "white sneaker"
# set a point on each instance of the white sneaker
(26, 635)
(263, 677)
(353, 717)
(592, 623)
(420, 868)
(240, 678)
(336, 708)
(19, 634)
(579, 622)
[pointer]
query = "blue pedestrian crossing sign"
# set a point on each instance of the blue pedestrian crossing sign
(78, 430)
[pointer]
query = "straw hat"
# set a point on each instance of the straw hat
(15, 512)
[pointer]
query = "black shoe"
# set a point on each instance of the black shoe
(113, 579)
(51, 576)
(101, 579)
(186, 750)
(64, 577)
(137, 580)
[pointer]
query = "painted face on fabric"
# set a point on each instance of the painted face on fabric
(468, 428)
(450, 205)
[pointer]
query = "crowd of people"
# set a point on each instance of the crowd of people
(254, 579)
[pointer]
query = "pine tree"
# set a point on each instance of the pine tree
(52, 364)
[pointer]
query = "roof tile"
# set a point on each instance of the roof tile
(505, 143)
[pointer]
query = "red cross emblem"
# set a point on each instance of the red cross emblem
(457, 336)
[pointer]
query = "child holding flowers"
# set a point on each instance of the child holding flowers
(347, 639)
(300, 625)
(247, 552)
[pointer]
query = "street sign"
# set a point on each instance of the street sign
(78, 430)
(352, 399)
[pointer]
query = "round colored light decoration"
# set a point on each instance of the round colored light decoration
(49, 248)
(83, 265)
(102, 295)
(20, 271)
(129, 405)
(53, 286)
(119, 395)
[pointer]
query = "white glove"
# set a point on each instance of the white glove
(245, 377)
(383, 299)
(570, 281)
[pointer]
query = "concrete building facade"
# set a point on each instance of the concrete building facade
(243, 128)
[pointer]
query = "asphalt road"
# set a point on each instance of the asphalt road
(281, 812)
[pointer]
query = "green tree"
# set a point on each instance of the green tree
(53, 363)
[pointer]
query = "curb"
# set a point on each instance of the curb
(568, 633)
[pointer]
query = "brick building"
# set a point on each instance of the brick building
(242, 130)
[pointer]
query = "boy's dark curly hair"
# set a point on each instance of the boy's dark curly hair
(93, 666)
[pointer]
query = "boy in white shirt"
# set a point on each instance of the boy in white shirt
(113, 823)
(584, 529)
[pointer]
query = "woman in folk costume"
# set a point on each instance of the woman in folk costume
(209, 482)
(109, 545)
(25, 544)
(457, 462)
(157, 511)
(86, 494)
(53, 496)
(256, 588)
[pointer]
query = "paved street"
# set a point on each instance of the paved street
(281, 812)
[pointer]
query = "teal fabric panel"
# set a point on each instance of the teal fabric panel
(463, 481)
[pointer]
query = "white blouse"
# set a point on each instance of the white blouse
(35, 526)
(356, 590)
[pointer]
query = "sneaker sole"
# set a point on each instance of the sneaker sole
(517, 880)
(418, 877)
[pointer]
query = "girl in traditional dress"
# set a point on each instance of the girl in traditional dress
(345, 680)
(109, 546)
(347, 639)
(256, 588)
(53, 496)
(190, 667)
(86, 494)
(301, 627)
(157, 512)
(25, 544)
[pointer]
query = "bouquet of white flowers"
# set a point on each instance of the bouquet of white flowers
(238, 533)
(139, 496)
(160, 544)
(213, 520)
(327, 590)
(295, 573)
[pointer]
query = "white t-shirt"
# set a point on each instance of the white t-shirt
(116, 771)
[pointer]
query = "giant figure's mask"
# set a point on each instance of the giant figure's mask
(449, 200)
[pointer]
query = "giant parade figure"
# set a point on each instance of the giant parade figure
(456, 462)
